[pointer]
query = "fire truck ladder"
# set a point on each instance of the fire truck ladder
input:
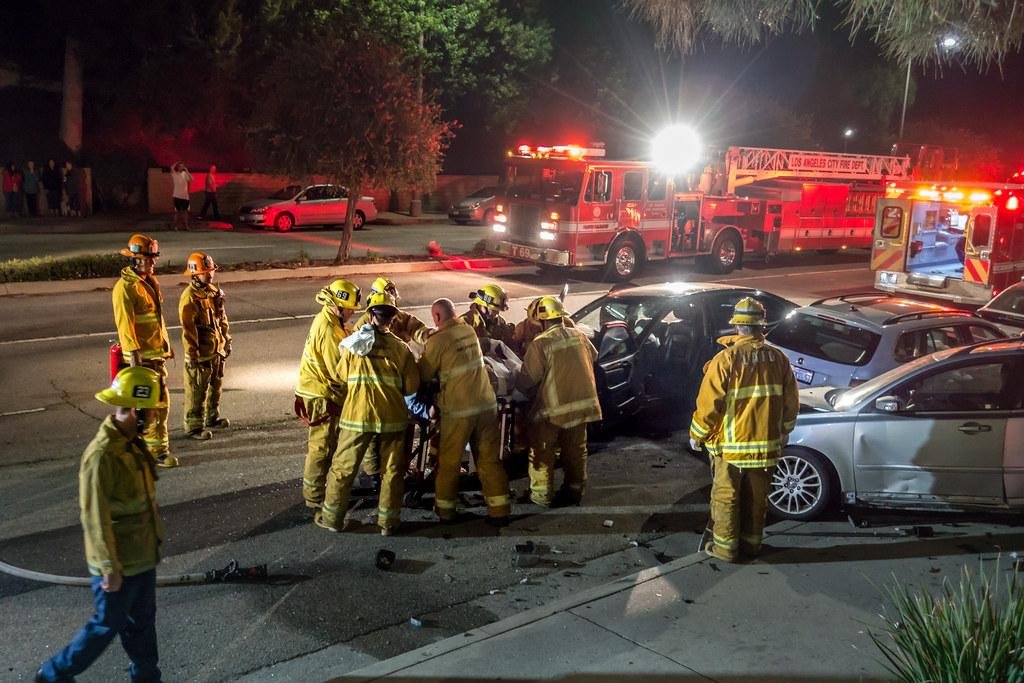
(748, 165)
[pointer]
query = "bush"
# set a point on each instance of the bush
(70, 268)
(971, 632)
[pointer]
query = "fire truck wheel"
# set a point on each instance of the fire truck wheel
(725, 254)
(625, 257)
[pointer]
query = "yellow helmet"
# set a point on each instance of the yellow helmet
(340, 293)
(492, 296)
(140, 245)
(531, 309)
(381, 300)
(133, 387)
(549, 308)
(383, 284)
(748, 311)
(199, 263)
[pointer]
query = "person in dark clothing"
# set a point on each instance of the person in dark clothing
(211, 195)
(73, 188)
(31, 187)
(52, 183)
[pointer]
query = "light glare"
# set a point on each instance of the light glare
(676, 149)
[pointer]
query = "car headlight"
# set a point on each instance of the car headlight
(262, 209)
(475, 205)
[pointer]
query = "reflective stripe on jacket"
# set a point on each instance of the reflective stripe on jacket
(453, 355)
(405, 326)
(117, 496)
(748, 400)
(204, 322)
(494, 328)
(558, 371)
(138, 315)
(318, 369)
(375, 385)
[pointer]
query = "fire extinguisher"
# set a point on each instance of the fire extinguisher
(116, 360)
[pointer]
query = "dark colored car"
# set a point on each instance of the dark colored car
(653, 341)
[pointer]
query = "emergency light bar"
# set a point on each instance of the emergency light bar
(560, 152)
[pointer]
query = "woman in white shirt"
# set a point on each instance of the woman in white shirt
(181, 178)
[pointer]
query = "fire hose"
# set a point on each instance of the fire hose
(232, 573)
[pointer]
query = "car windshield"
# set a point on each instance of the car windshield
(483, 192)
(851, 397)
(825, 338)
(1010, 301)
(286, 192)
(636, 312)
(539, 182)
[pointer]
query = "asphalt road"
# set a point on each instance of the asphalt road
(238, 495)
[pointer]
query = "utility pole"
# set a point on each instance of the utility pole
(906, 93)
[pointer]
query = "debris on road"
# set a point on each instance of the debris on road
(495, 591)
(385, 559)
(608, 523)
(415, 623)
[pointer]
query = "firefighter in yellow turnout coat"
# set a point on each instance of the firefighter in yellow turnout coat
(377, 372)
(558, 371)
(484, 316)
(319, 393)
(469, 414)
(123, 535)
(746, 408)
(206, 338)
(142, 333)
(405, 326)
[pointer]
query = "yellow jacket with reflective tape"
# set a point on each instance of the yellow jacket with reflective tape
(117, 497)
(405, 326)
(204, 322)
(376, 385)
(495, 328)
(138, 315)
(318, 369)
(558, 372)
(453, 355)
(748, 400)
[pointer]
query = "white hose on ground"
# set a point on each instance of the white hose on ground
(232, 571)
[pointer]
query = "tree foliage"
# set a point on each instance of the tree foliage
(347, 110)
(986, 31)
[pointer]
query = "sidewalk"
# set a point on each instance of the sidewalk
(800, 613)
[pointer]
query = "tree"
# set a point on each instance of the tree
(907, 31)
(346, 109)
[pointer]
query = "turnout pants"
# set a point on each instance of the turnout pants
(155, 431)
(345, 465)
(320, 451)
(480, 431)
(129, 613)
(547, 438)
(739, 503)
(203, 382)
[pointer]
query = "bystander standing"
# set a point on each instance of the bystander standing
(31, 185)
(211, 195)
(12, 188)
(181, 179)
(52, 182)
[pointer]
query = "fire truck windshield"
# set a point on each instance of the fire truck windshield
(546, 183)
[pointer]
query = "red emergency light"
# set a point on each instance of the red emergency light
(559, 151)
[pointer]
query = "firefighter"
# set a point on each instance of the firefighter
(319, 393)
(746, 408)
(558, 374)
(206, 339)
(468, 413)
(123, 534)
(484, 315)
(142, 333)
(405, 326)
(529, 327)
(377, 372)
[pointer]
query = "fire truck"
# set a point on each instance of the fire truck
(963, 243)
(567, 206)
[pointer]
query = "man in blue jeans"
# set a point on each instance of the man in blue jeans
(123, 535)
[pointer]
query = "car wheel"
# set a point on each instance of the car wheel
(284, 222)
(625, 258)
(725, 254)
(359, 220)
(801, 486)
(488, 217)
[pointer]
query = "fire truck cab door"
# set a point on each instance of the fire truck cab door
(889, 238)
(978, 240)
(599, 198)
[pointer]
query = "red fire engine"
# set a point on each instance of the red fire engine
(963, 243)
(567, 206)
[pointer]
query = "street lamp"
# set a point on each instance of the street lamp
(847, 134)
(949, 43)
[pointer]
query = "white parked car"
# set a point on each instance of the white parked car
(293, 207)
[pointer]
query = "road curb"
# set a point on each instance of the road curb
(47, 287)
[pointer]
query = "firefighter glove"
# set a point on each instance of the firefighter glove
(696, 446)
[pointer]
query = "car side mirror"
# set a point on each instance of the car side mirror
(890, 404)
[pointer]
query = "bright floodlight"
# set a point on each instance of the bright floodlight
(848, 133)
(950, 42)
(676, 149)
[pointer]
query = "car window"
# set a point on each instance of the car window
(829, 339)
(1010, 301)
(973, 387)
(633, 185)
(720, 306)
(599, 189)
(483, 192)
(334, 192)
(617, 326)
(313, 193)
(980, 333)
